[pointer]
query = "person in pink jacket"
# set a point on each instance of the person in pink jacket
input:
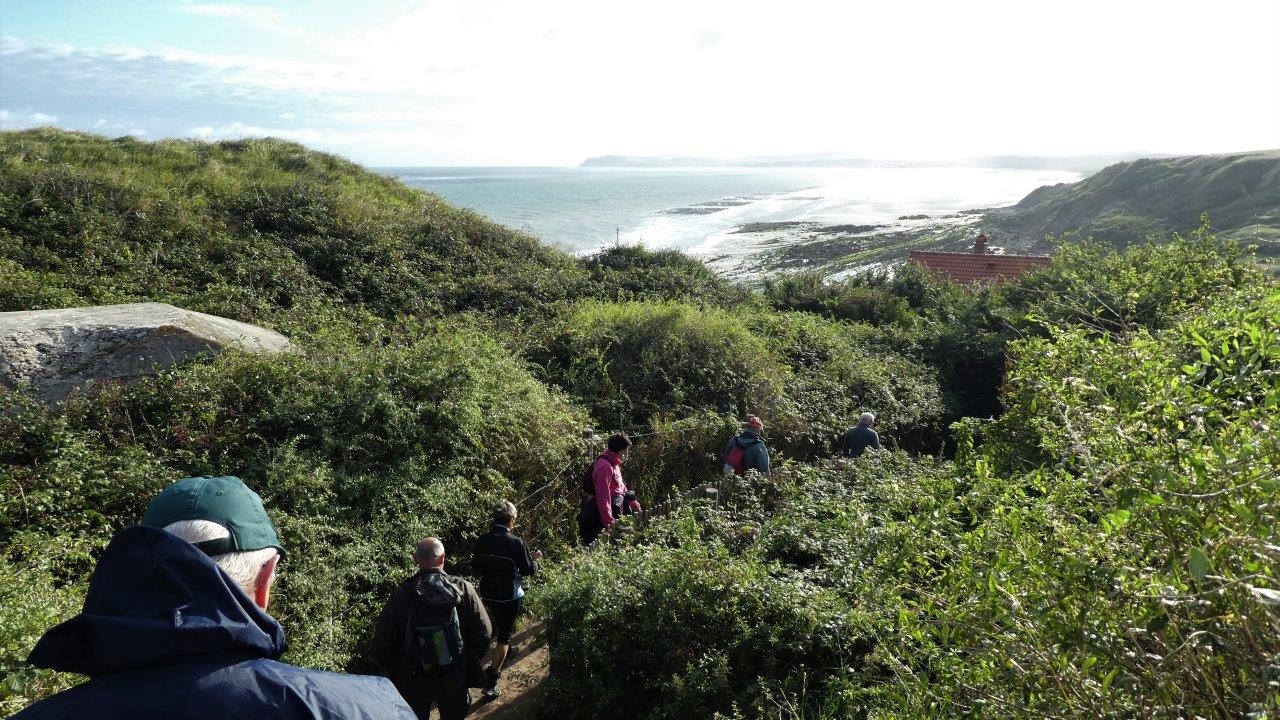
(608, 498)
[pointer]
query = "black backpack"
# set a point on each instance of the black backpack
(588, 478)
(433, 638)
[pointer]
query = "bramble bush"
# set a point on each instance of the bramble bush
(632, 272)
(632, 361)
(1108, 550)
(638, 365)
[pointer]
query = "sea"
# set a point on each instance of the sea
(699, 210)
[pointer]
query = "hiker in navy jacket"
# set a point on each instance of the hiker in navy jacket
(755, 454)
(174, 625)
(501, 560)
(860, 437)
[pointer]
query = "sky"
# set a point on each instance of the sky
(552, 82)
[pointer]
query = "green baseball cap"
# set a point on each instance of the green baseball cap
(226, 501)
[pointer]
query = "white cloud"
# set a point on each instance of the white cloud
(10, 120)
(509, 81)
(236, 130)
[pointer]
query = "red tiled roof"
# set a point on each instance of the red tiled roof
(969, 268)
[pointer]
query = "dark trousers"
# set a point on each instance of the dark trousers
(448, 692)
(503, 614)
(589, 524)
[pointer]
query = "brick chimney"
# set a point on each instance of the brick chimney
(980, 245)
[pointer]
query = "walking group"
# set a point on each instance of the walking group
(175, 623)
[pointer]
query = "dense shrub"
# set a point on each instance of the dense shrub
(867, 297)
(631, 362)
(1138, 519)
(357, 452)
(778, 594)
(248, 229)
(633, 272)
(838, 372)
(638, 364)
(1108, 551)
(964, 331)
(1144, 286)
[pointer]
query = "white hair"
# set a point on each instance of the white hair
(504, 511)
(243, 567)
(867, 418)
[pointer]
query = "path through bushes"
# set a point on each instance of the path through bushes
(522, 678)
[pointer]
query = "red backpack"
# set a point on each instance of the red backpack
(734, 458)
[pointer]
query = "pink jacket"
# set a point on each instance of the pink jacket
(606, 477)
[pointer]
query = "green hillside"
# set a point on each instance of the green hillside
(246, 229)
(1075, 516)
(1126, 202)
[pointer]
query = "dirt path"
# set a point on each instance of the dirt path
(522, 677)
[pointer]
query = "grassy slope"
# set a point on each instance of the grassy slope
(1125, 202)
(247, 229)
(425, 334)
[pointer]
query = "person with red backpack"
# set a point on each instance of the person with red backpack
(747, 451)
(607, 496)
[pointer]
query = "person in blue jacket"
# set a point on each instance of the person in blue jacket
(174, 624)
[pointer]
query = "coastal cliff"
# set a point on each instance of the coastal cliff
(1129, 201)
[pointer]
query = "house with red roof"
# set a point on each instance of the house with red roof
(980, 265)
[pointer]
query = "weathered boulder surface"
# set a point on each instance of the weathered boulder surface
(58, 351)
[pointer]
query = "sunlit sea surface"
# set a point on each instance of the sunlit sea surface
(698, 209)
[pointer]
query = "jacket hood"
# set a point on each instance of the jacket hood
(436, 590)
(154, 599)
(747, 438)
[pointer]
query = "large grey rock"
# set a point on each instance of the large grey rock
(58, 351)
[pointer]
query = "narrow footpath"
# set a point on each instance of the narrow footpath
(522, 678)
(524, 675)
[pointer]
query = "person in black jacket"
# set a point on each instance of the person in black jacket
(175, 625)
(398, 640)
(501, 560)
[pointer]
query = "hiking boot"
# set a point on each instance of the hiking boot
(491, 692)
